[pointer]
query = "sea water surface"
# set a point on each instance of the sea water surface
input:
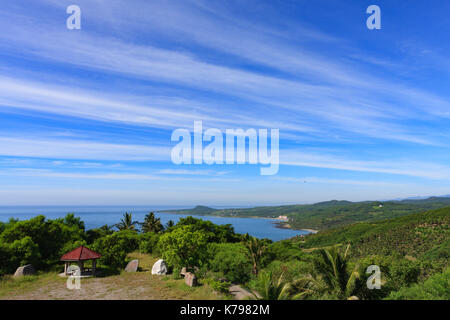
(97, 216)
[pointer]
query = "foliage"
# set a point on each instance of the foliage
(126, 223)
(332, 267)
(152, 224)
(185, 246)
(219, 286)
(231, 260)
(215, 233)
(94, 234)
(115, 247)
(291, 270)
(50, 237)
(22, 251)
(414, 235)
(148, 243)
(285, 250)
(255, 251)
(169, 225)
(271, 288)
(434, 288)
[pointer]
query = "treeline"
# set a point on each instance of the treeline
(41, 242)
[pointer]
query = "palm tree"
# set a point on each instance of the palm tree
(126, 223)
(169, 224)
(271, 288)
(152, 224)
(332, 276)
(256, 249)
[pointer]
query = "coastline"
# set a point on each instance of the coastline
(285, 225)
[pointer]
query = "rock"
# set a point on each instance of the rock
(190, 279)
(353, 298)
(159, 268)
(183, 271)
(132, 266)
(24, 271)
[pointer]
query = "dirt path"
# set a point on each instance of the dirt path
(239, 293)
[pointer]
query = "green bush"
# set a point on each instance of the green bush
(291, 270)
(231, 260)
(94, 234)
(114, 248)
(24, 251)
(50, 237)
(434, 288)
(284, 251)
(149, 243)
(215, 233)
(184, 247)
(219, 286)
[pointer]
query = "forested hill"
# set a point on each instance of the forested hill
(329, 214)
(423, 236)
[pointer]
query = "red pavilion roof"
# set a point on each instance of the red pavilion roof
(80, 254)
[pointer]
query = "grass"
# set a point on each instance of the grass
(10, 286)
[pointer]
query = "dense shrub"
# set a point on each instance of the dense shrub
(219, 286)
(289, 270)
(285, 251)
(231, 260)
(434, 288)
(184, 246)
(148, 243)
(50, 237)
(215, 233)
(97, 233)
(24, 251)
(114, 248)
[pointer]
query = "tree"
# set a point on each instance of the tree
(151, 224)
(216, 233)
(332, 274)
(231, 260)
(271, 288)
(126, 223)
(170, 224)
(256, 249)
(114, 248)
(184, 247)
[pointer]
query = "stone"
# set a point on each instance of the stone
(132, 266)
(190, 279)
(353, 298)
(159, 268)
(183, 271)
(24, 271)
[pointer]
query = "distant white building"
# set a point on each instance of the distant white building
(283, 217)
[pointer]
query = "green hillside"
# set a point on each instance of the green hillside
(419, 236)
(330, 214)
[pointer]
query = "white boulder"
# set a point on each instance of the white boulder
(159, 268)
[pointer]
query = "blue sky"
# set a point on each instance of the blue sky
(86, 115)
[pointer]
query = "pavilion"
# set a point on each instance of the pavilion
(80, 255)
